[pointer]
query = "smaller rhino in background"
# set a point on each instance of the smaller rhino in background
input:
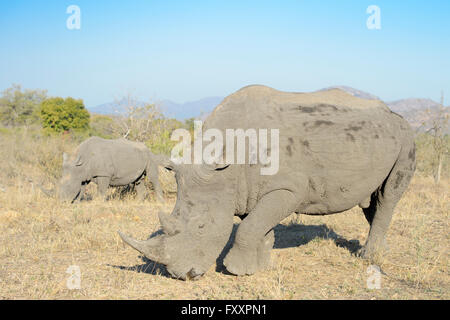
(114, 163)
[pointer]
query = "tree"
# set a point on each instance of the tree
(19, 107)
(135, 120)
(145, 123)
(59, 115)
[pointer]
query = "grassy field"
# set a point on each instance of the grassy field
(312, 259)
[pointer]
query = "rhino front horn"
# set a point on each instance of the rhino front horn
(169, 224)
(151, 248)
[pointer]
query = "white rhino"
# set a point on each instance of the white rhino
(336, 151)
(118, 162)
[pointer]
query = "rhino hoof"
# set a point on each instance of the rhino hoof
(362, 253)
(241, 263)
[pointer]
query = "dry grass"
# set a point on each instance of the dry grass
(40, 239)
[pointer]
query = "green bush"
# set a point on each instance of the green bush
(160, 142)
(103, 126)
(5, 131)
(59, 115)
(426, 157)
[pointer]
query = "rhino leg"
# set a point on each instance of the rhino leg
(264, 249)
(254, 237)
(102, 186)
(383, 201)
(153, 177)
(82, 194)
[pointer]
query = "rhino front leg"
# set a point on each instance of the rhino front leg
(153, 177)
(264, 249)
(141, 191)
(82, 194)
(158, 190)
(255, 237)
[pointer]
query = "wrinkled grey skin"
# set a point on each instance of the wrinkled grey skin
(106, 162)
(336, 152)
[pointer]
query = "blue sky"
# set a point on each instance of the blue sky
(186, 50)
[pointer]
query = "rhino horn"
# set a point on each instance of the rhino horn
(151, 248)
(169, 224)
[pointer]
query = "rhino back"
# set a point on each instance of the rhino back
(334, 150)
(122, 160)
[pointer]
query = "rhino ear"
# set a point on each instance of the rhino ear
(79, 161)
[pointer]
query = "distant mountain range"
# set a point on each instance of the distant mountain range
(418, 111)
(116, 107)
(170, 109)
(353, 92)
(192, 109)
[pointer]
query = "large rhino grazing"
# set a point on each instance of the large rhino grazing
(336, 151)
(118, 162)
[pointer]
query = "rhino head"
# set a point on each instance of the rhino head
(200, 225)
(72, 178)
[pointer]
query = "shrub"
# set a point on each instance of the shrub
(18, 108)
(103, 126)
(59, 115)
(426, 156)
